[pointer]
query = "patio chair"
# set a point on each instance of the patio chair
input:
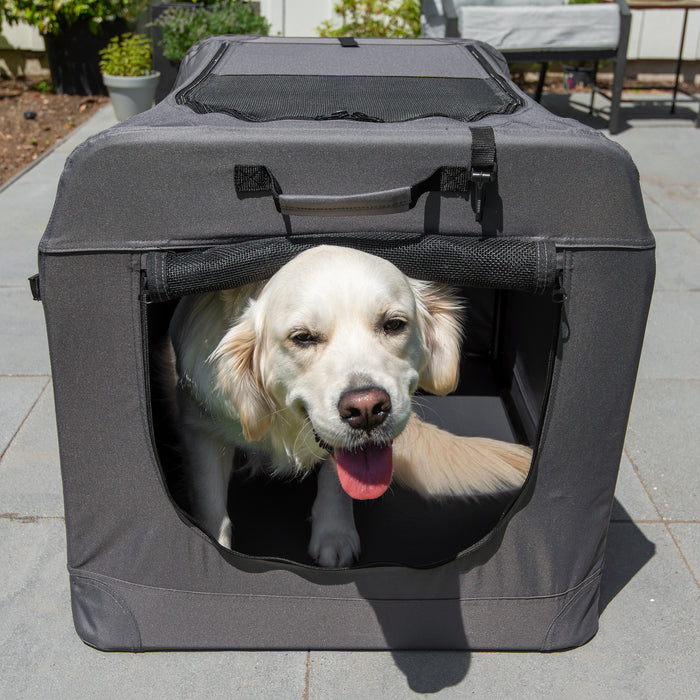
(541, 31)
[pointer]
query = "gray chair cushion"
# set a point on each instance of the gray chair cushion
(527, 27)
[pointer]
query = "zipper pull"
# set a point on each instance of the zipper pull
(559, 295)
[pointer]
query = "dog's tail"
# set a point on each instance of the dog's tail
(436, 463)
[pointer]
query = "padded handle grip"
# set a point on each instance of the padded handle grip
(370, 204)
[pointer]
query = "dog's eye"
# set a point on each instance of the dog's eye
(394, 325)
(303, 338)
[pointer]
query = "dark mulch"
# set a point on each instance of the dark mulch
(31, 121)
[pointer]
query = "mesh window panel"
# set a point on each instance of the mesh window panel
(262, 98)
(526, 265)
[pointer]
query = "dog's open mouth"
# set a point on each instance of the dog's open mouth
(364, 472)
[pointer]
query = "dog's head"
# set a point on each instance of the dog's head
(328, 354)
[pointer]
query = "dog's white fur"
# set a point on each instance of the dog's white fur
(265, 367)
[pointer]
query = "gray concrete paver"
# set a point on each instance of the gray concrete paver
(662, 443)
(632, 502)
(23, 346)
(31, 476)
(677, 262)
(673, 332)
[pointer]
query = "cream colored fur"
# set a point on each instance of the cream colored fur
(436, 463)
(265, 366)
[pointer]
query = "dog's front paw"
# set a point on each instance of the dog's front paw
(334, 547)
(225, 538)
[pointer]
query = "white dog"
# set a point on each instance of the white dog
(315, 369)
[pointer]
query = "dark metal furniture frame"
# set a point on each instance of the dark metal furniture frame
(546, 56)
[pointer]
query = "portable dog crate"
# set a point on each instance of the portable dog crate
(421, 151)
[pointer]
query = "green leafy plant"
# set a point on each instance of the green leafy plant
(183, 27)
(55, 16)
(44, 87)
(128, 55)
(368, 18)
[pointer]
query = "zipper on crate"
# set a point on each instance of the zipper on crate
(182, 95)
(486, 65)
(559, 295)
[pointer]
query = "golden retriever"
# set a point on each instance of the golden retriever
(314, 370)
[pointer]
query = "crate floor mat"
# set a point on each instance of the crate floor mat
(270, 146)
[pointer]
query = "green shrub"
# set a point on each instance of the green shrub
(368, 18)
(183, 27)
(128, 55)
(54, 16)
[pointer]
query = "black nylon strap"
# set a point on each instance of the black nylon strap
(253, 178)
(483, 147)
(454, 179)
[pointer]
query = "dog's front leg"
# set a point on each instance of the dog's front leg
(208, 471)
(334, 539)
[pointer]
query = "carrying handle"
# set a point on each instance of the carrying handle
(258, 180)
(369, 204)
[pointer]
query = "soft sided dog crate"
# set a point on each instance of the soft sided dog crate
(421, 151)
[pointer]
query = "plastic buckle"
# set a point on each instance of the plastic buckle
(35, 287)
(479, 179)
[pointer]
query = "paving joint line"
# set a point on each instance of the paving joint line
(646, 196)
(29, 519)
(668, 379)
(663, 522)
(655, 522)
(24, 420)
(24, 376)
(307, 678)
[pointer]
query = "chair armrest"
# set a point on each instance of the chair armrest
(451, 21)
(624, 7)
(449, 9)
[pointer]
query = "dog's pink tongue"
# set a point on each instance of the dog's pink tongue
(365, 473)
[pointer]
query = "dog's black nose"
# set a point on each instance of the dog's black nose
(364, 409)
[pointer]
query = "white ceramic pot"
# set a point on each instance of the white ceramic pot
(131, 95)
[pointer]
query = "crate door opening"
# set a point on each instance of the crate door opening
(504, 376)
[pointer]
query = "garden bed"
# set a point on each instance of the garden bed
(23, 139)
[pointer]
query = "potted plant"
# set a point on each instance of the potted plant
(74, 31)
(126, 71)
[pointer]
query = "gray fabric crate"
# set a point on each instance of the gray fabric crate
(149, 210)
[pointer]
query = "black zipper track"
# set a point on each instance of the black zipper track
(498, 79)
(182, 94)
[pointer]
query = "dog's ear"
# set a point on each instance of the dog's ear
(239, 378)
(440, 319)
